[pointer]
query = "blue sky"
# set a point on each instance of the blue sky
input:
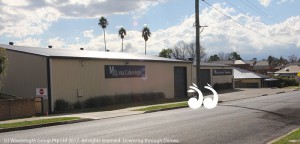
(274, 24)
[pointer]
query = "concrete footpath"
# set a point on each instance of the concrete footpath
(224, 96)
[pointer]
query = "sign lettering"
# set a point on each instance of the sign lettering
(219, 72)
(124, 71)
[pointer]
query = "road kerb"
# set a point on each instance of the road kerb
(280, 137)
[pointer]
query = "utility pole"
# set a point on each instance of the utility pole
(197, 42)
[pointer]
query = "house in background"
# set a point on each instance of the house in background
(261, 67)
(289, 72)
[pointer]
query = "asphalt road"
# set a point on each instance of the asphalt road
(254, 120)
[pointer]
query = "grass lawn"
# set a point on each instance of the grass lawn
(292, 138)
(294, 87)
(167, 106)
(37, 122)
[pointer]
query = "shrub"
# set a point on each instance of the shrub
(62, 105)
(122, 99)
(98, 101)
(220, 86)
(77, 105)
(285, 82)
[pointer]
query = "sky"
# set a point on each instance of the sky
(252, 28)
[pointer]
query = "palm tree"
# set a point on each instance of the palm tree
(146, 34)
(103, 23)
(122, 33)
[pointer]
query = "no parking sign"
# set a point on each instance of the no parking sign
(42, 92)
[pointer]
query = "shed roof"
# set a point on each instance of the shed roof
(71, 53)
(245, 74)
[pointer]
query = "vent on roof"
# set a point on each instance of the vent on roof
(49, 46)
(11, 43)
(81, 48)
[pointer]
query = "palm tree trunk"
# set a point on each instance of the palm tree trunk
(122, 45)
(104, 41)
(145, 47)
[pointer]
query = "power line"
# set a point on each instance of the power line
(259, 11)
(257, 20)
(236, 7)
(273, 19)
(247, 27)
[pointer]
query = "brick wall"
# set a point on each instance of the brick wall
(16, 108)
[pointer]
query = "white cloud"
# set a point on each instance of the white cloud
(221, 35)
(265, 2)
(20, 23)
(16, 3)
(57, 42)
(20, 18)
(88, 33)
(283, 1)
(31, 42)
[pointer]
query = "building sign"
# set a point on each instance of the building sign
(42, 92)
(124, 71)
(220, 72)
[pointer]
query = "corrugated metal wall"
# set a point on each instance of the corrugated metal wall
(70, 76)
(25, 73)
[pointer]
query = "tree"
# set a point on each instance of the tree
(234, 56)
(167, 53)
(103, 23)
(283, 61)
(214, 58)
(184, 51)
(273, 61)
(180, 50)
(122, 33)
(146, 34)
(222, 56)
(292, 58)
(270, 60)
(192, 51)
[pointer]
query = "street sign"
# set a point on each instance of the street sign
(42, 92)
